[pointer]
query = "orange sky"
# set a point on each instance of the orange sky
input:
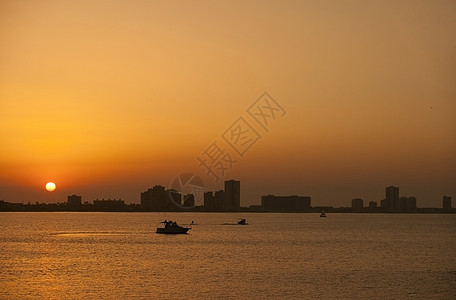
(108, 98)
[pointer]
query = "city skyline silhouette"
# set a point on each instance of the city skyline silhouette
(334, 100)
(162, 199)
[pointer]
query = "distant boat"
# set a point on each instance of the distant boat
(323, 214)
(242, 222)
(172, 228)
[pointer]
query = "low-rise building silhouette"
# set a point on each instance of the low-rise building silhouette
(74, 202)
(285, 203)
(446, 203)
(372, 207)
(8, 206)
(109, 205)
(357, 204)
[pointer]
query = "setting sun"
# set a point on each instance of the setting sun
(50, 186)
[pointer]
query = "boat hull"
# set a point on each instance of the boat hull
(172, 230)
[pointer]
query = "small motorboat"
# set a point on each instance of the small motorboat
(242, 222)
(323, 214)
(172, 228)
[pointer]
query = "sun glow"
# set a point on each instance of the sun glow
(50, 186)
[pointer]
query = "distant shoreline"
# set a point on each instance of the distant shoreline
(435, 212)
(122, 207)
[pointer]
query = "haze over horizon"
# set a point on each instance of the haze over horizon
(107, 99)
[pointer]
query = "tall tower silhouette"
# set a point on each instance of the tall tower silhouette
(232, 195)
(392, 198)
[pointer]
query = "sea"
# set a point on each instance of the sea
(72, 255)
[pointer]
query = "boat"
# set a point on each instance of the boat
(172, 228)
(323, 214)
(242, 222)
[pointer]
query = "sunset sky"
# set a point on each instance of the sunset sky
(108, 98)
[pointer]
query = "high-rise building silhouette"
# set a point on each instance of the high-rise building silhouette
(232, 195)
(209, 204)
(175, 197)
(407, 204)
(214, 202)
(160, 199)
(392, 198)
(220, 200)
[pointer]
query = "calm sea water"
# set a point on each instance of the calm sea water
(280, 256)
